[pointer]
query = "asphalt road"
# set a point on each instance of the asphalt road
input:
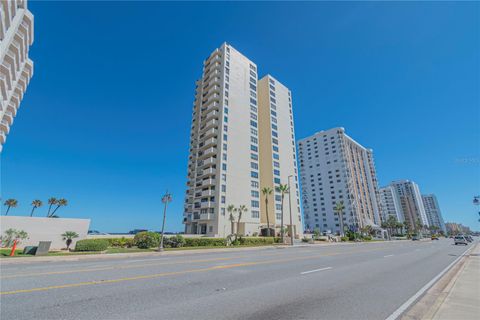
(346, 281)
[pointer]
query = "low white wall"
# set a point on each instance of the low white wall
(45, 229)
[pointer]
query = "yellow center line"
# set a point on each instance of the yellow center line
(17, 275)
(165, 274)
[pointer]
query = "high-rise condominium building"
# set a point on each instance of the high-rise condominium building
(335, 168)
(432, 210)
(16, 69)
(389, 204)
(241, 141)
(411, 203)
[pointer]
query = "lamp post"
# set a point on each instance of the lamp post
(165, 199)
(476, 201)
(290, 208)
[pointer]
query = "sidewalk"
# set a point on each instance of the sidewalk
(463, 293)
(455, 296)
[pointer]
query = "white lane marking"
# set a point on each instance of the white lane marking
(420, 292)
(316, 270)
(390, 255)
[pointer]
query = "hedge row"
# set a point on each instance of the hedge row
(204, 242)
(91, 245)
(145, 240)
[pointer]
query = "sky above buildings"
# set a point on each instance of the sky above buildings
(105, 121)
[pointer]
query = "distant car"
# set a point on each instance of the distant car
(135, 231)
(435, 237)
(460, 240)
(469, 238)
(415, 238)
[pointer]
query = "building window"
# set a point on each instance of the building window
(255, 214)
(255, 204)
(254, 174)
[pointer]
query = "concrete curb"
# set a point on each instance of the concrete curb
(431, 301)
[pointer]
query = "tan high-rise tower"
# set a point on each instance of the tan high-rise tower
(235, 139)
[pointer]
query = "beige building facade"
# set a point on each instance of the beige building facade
(228, 148)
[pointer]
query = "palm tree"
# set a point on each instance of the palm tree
(266, 191)
(69, 236)
(283, 189)
(339, 207)
(10, 203)
(52, 201)
(241, 209)
(60, 203)
(231, 210)
(35, 204)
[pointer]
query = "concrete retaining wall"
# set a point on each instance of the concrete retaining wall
(45, 229)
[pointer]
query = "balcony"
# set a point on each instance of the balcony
(214, 114)
(207, 107)
(203, 216)
(207, 162)
(213, 97)
(4, 126)
(209, 124)
(208, 204)
(208, 193)
(207, 216)
(208, 182)
(209, 133)
(214, 81)
(8, 116)
(3, 137)
(208, 143)
(207, 153)
(209, 172)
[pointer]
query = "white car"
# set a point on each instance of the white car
(460, 240)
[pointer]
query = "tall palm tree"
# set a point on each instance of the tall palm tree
(60, 203)
(10, 203)
(241, 209)
(35, 204)
(283, 189)
(52, 202)
(266, 191)
(231, 210)
(339, 207)
(68, 236)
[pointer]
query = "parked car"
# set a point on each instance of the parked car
(435, 237)
(460, 240)
(415, 237)
(469, 238)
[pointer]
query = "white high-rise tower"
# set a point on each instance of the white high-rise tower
(16, 68)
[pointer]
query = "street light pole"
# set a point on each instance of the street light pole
(165, 199)
(290, 208)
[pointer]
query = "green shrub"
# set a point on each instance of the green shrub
(174, 242)
(367, 238)
(120, 242)
(146, 239)
(344, 239)
(204, 242)
(91, 245)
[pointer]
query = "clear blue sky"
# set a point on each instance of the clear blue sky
(105, 121)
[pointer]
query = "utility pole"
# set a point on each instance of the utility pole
(165, 199)
(290, 206)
